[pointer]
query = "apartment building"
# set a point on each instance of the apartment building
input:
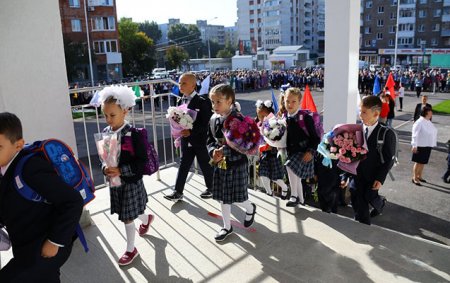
(98, 22)
(273, 23)
(423, 30)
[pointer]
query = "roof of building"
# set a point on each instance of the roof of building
(288, 49)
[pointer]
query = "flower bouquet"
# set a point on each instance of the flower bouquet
(108, 147)
(242, 134)
(180, 118)
(273, 130)
(345, 144)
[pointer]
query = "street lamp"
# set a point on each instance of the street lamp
(423, 43)
(88, 43)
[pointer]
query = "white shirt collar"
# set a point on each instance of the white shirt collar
(3, 169)
(293, 115)
(371, 128)
(189, 97)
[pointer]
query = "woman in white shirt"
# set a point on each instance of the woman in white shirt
(401, 94)
(424, 138)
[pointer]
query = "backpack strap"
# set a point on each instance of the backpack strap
(21, 186)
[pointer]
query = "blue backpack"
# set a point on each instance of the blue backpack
(66, 165)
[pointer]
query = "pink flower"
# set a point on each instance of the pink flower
(348, 160)
(363, 151)
(346, 135)
(342, 159)
(242, 128)
(342, 151)
(333, 149)
(248, 120)
(353, 154)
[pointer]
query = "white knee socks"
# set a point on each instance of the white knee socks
(247, 205)
(296, 185)
(283, 186)
(226, 215)
(266, 184)
(130, 230)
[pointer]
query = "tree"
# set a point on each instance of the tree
(223, 53)
(176, 55)
(151, 29)
(186, 36)
(136, 47)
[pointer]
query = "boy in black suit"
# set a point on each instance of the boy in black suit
(193, 142)
(420, 106)
(372, 172)
(41, 233)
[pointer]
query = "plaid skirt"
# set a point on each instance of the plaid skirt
(128, 200)
(230, 185)
(301, 169)
(271, 167)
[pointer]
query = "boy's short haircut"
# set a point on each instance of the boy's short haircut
(371, 102)
(424, 112)
(10, 126)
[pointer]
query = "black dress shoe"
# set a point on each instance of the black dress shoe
(175, 196)
(206, 194)
(271, 194)
(222, 236)
(416, 183)
(248, 223)
(293, 203)
(375, 212)
(422, 180)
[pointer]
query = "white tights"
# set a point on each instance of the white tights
(296, 185)
(266, 184)
(226, 212)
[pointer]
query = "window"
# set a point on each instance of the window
(105, 2)
(391, 42)
(74, 3)
(406, 13)
(437, 13)
(406, 27)
(421, 28)
(367, 43)
(379, 35)
(76, 25)
(393, 15)
(367, 30)
(434, 41)
(405, 40)
(422, 13)
(380, 23)
(369, 4)
(104, 23)
(392, 29)
(436, 27)
(368, 17)
(423, 2)
(103, 46)
(380, 9)
(394, 2)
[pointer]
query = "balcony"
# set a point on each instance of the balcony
(406, 33)
(446, 18)
(445, 33)
(446, 3)
(406, 20)
(113, 58)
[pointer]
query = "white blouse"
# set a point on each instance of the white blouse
(424, 133)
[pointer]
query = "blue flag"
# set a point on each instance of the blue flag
(376, 86)
(176, 89)
(275, 102)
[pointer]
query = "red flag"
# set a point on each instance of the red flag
(308, 101)
(390, 85)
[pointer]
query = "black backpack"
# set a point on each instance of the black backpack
(381, 135)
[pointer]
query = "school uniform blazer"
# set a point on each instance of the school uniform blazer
(371, 168)
(201, 104)
(418, 110)
(30, 223)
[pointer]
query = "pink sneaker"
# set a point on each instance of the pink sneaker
(128, 257)
(144, 228)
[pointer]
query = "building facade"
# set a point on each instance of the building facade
(100, 16)
(423, 30)
(273, 23)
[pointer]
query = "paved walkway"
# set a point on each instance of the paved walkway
(285, 244)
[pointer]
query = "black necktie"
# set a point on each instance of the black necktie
(185, 100)
(366, 134)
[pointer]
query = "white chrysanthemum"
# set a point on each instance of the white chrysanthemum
(124, 95)
(272, 123)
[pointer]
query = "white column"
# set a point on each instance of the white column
(341, 61)
(33, 80)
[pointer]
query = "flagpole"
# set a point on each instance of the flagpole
(396, 33)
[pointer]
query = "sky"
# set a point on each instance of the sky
(188, 11)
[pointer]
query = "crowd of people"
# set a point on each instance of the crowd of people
(40, 252)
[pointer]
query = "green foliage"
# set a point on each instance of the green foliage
(186, 36)
(151, 29)
(176, 56)
(136, 47)
(442, 108)
(223, 53)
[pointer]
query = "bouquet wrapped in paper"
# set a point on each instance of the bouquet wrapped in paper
(180, 118)
(345, 144)
(242, 134)
(273, 130)
(108, 147)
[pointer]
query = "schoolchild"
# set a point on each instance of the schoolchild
(41, 234)
(230, 174)
(129, 199)
(301, 145)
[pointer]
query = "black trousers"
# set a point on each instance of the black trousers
(187, 158)
(41, 270)
(363, 197)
